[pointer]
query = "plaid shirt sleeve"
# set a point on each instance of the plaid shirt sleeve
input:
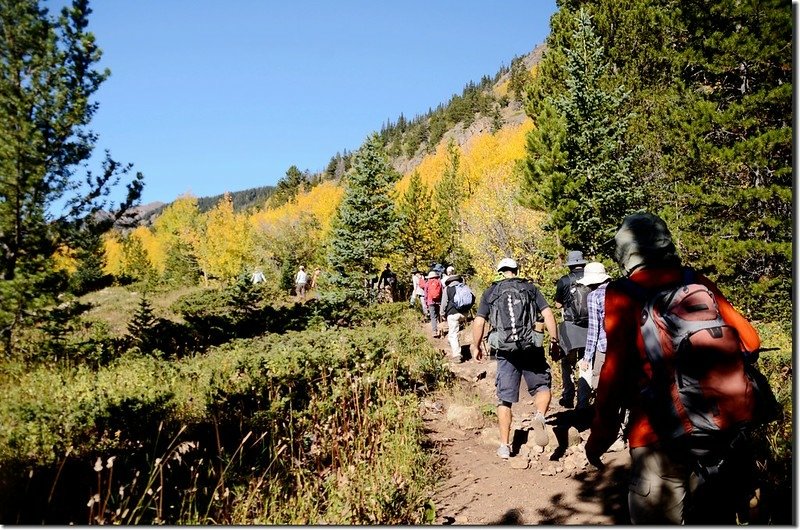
(596, 334)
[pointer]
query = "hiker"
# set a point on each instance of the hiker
(387, 282)
(572, 330)
(450, 271)
(669, 483)
(511, 307)
(422, 284)
(258, 277)
(457, 299)
(315, 277)
(433, 297)
(300, 283)
(595, 277)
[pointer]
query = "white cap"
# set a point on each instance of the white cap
(507, 263)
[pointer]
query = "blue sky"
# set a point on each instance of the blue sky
(207, 97)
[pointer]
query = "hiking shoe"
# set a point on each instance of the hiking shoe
(504, 452)
(566, 403)
(539, 433)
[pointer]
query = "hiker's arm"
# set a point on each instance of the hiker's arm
(550, 324)
(478, 329)
(621, 327)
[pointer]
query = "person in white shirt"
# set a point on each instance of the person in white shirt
(300, 283)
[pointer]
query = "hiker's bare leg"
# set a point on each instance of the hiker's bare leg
(504, 419)
(542, 401)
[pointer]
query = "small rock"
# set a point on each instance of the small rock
(538, 449)
(559, 469)
(519, 463)
(466, 418)
(548, 471)
(524, 451)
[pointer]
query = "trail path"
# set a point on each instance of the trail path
(555, 486)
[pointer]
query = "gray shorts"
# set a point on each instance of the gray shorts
(512, 367)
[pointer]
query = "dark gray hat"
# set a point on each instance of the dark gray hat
(575, 257)
(643, 238)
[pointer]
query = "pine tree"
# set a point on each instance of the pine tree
(142, 327)
(449, 192)
(47, 80)
(365, 226)
(415, 214)
(578, 166)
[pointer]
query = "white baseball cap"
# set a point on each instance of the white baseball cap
(507, 263)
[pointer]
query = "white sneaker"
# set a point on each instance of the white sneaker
(504, 451)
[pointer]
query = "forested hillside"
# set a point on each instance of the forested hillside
(178, 349)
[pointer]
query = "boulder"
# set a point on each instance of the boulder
(464, 417)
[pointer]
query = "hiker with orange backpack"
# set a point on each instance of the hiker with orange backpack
(686, 384)
(433, 297)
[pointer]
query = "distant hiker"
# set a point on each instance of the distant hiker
(315, 277)
(257, 277)
(448, 273)
(685, 465)
(571, 299)
(457, 299)
(300, 283)
(387, 283)
(595, 277)
(433, 297)
(511, 307)
(422, 284)
(417, 289)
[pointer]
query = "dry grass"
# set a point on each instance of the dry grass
(116, 305)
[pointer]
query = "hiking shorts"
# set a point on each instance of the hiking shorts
(512, 367)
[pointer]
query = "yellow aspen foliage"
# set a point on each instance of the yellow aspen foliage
(494, 225)
(321, 201)
(64, 259)
(493, 154)
(430, 170)
(114, 252)
(154, 247)
(178, 219)
(223, 244)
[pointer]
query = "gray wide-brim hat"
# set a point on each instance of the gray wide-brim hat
(453, 278)
(433, 274)
(575, 257)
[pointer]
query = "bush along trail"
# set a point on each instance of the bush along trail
(313, 426)
(537, 485)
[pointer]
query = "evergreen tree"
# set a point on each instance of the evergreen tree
(448, 194)
(142, 327)
(47, 80)
(415, 214)
(289, 186)
(578, 166)
(365, 226)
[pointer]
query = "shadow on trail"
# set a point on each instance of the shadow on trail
(511, 517)
(607, 488)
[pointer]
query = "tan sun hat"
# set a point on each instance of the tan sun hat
(594, 273)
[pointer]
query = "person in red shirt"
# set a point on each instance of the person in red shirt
(662, 479)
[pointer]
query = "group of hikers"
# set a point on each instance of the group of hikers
(666, 357)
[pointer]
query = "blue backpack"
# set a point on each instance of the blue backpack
(463, 297)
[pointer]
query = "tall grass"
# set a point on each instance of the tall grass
(312, 427)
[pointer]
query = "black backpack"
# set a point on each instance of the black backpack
(577, 302)
(513, 314)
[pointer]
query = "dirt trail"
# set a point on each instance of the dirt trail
(555, 486)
